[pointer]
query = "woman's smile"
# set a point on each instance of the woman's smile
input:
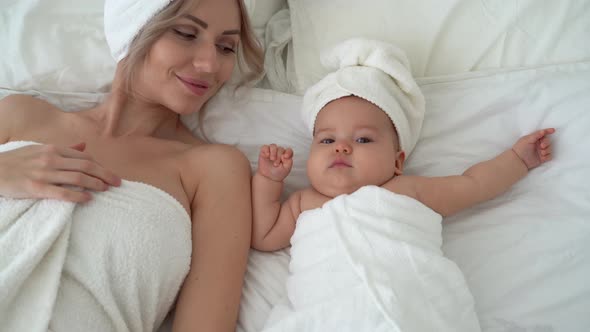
(196, 87)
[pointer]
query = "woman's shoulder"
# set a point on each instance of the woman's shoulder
(24, 103)
(213, 168)
(21, 111)
(214, 160)
(215, 149)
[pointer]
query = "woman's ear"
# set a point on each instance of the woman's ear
(400, 157)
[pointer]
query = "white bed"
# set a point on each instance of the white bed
(490, 71)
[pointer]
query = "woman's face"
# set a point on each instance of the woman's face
(190, 62)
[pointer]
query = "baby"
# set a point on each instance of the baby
(365, 238)
(355, 144)
(365, 119)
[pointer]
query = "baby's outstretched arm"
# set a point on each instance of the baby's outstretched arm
(482, 181)
(273, 222)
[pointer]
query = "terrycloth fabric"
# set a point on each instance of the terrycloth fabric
(372, 261)
(376, 71)
(113, 264)
(124, 19)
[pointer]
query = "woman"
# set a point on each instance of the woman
(170, 66)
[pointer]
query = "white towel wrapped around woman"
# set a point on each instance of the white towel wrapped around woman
(113, 264)
(372, 261)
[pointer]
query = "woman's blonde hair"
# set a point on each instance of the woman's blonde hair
(250, 55)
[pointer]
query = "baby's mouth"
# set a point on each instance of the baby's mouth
(340, 163)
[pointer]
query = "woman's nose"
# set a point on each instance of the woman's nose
(343, 147)
(206, 58)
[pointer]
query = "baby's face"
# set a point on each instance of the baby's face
(354, 145)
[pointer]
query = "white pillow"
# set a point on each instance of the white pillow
(56, 45)
(260, 13)
(59, 45)
(441, 37)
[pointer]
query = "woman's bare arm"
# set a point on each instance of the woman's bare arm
(10, 117)
(222, 218)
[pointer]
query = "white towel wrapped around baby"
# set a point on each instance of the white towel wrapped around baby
(372, 261)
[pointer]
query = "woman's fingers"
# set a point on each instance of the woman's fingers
(89, 168)
(74, 160)
(49, 171)
(80, 146)
(64, 194)
(42, 180)
(76, 179)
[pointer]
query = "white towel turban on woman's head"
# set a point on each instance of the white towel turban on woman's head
(124, 19)
(378, 72)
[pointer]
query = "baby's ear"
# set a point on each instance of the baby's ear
(400, 157)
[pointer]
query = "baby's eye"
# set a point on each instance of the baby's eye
(326, 141)
(364, 140)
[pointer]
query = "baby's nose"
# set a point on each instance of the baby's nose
(342, 147)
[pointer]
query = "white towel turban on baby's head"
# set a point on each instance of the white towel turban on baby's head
(378, 72)
(124, 19)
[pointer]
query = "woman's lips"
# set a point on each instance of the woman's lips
(198, 88)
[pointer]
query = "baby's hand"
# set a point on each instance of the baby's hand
(534, 149)
(275, 162)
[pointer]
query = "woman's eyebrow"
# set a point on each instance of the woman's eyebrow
(197, 20)
(231, 32)
(204, 25)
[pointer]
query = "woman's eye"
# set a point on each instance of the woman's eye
(326, 141)
(226, 49)
(363, 140)
(185, 35)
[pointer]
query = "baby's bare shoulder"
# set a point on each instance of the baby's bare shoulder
(404, 185)
(310, 199)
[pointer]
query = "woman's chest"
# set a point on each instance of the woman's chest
(140, 159)
(145, 161)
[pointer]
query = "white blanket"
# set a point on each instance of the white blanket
(113, 264)
(372, 261)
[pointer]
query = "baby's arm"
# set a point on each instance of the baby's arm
(273, 222)
(482, 181)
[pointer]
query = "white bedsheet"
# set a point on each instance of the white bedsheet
(526, 254)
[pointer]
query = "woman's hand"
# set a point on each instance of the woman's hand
(534, 149)
(49, 171)
(275, 162)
